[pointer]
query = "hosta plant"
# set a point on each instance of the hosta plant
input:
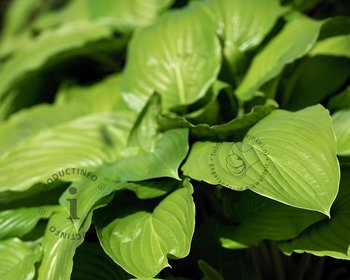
(166, 139)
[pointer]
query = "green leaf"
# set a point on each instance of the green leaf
(127, 15)
(17, 16)
(304, 5)
(335, 26)
(289, 157)
(340, 101)
(152, 188)
(144, 133)
(242, 25)
(331, 237)
(91, 263)
(262, 218)
(17, 259)
(120, 15)
(45, 48)
(85, 142)
(220, 132)
(163, 160)
(14, 33)
(280, 51)
(103, 96)
(210, 111)
(149, 154)
(28, 122)
(179, 66)
(19, 222)
(71, 11)
(141, 242)
(341, 123)
(59, 244)
(335, 46)
(310, 83)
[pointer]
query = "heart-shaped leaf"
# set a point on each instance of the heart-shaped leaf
(179, 59)
(287, 156)
(141, 242)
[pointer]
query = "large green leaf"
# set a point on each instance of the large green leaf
(294, 41)
(341, 123)
(331, 237)
(85, 142)
(141, 242)
(17, 259)
(263, 218)
(242, 25)
(18, 222)
(59, 244)
(179, 59)
(289, 157)
(336, 46)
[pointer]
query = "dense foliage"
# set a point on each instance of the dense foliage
(174, 139)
